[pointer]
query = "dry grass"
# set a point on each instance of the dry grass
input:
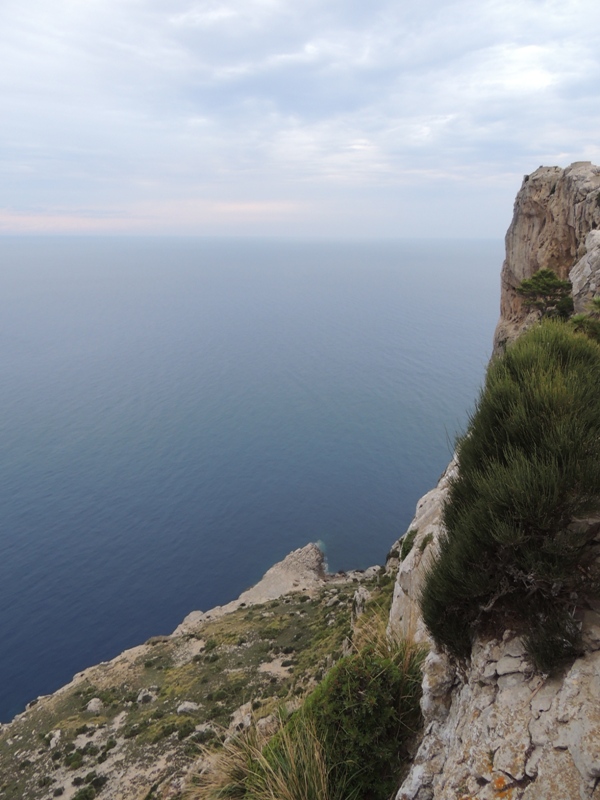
(292, 766)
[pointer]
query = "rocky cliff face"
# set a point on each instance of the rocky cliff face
(495, 728)
(554, 212)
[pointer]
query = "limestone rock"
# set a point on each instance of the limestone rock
(145, 696)
(554, 212)
(55, 737)
(585, 275)
(405, 619)
(187, 707)
(301, 570)
(95, 705)
(360, 600)
(241, 718)
(517, 734)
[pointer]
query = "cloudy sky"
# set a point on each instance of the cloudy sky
(289, 117)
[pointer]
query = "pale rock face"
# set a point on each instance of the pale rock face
(187, 707)
(502, 730)
(95, 705)
(303, 570)
(554, 212)
(585, 275)
(405, 619)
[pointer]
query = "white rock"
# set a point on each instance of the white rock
(55, 737)
(188, 707)
(241, 717)
(95, 706)
(508, 664)
(359, 603)
(145, 696)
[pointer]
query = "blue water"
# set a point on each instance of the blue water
(177, 415)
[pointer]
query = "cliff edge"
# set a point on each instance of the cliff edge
(555, 210)
(495, 727)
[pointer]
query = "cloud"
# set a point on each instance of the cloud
(163, 110)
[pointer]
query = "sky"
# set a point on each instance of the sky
(302, 118)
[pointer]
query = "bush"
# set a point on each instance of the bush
(346, 743)
(546, 292)
(186, 729)
(407, 542)
(89, 793)
(529, 467)
(368, 704)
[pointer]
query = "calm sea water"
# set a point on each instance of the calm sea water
(177, 415)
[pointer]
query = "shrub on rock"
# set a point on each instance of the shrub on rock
(512, 553)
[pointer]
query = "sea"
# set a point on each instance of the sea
(178, 414)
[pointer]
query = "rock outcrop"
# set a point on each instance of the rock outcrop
(495, 728)
(405, 620)
(302, 570)
(554, 212)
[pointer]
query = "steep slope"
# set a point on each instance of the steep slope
(495, 728)
(129, 729)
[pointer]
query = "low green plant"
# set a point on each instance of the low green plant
(186, 729)
(529, 468)
(407, 543)
(88, 793)
(588, 322)
(368, 703)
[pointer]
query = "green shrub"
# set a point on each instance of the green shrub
(407, 542)
(546, 292)
(529, 467)
(166, 730)
(88, 793)
(74, 760)
(348, 741)
(583, 323)
(368, 704)
(186, 729)
(589, 321)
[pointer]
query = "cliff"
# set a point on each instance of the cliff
(555, 211)
(495, 727)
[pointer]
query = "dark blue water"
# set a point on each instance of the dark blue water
(177, 415)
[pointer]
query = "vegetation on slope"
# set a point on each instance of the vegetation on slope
(263, 655)
(349, 739)
(513, 554)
